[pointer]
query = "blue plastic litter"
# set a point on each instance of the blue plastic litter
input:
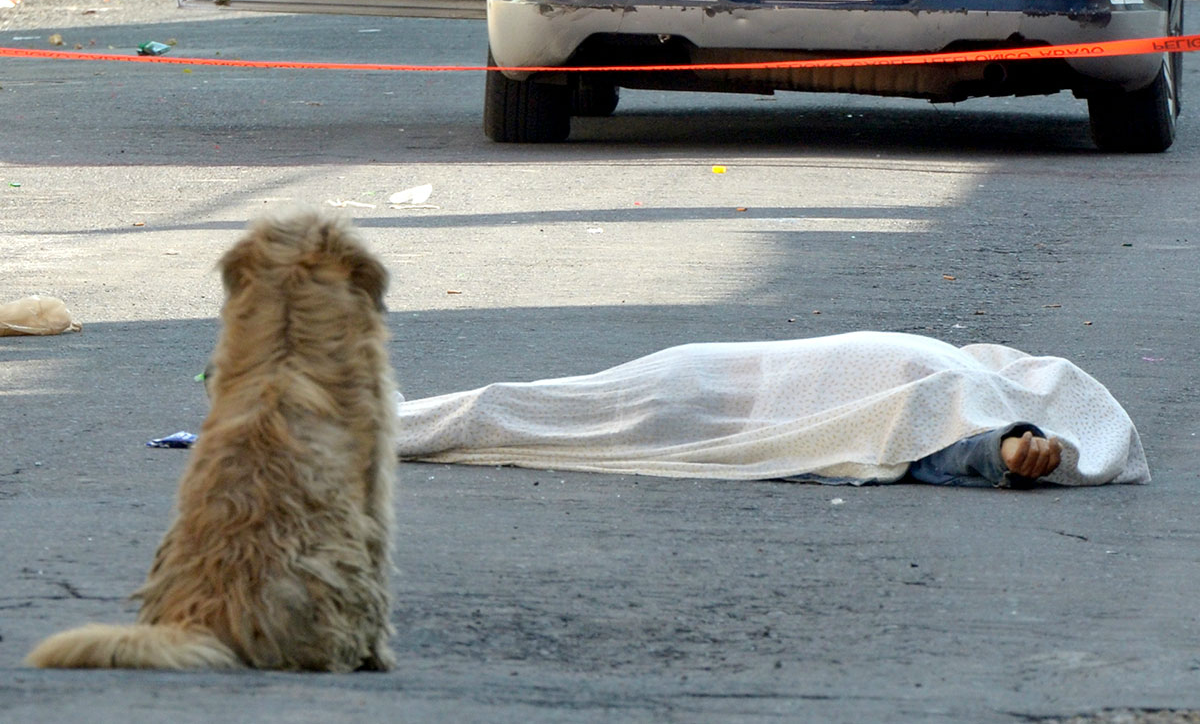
(179, 439)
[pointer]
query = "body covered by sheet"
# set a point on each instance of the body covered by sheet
(854, 407)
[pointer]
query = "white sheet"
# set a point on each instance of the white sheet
(856, 407)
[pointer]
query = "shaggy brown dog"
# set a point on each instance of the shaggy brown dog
(279, 553)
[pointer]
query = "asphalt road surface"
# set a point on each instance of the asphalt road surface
(526, 596)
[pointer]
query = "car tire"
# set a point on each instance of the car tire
(1142, 121)
(524, 111)
(594, 99)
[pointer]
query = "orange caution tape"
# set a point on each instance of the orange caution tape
(1112, 48)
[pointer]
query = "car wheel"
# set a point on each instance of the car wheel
(1142, 121)
(524, 111)
(594, 99)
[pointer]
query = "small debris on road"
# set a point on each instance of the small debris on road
(181, 439)
(413, 196)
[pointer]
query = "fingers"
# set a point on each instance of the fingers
(1030, 456)
(1033, 462)
(1014, 451)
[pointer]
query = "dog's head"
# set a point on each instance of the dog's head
(326, 247)
(301, 270)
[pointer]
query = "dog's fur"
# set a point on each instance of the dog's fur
(279, 553)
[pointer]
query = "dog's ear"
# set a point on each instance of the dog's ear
(370, 276)
(233, 266)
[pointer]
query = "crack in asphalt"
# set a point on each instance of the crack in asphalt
(73, 592)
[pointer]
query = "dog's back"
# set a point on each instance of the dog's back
(278, 556)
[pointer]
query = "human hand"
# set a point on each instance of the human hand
(1030, 456)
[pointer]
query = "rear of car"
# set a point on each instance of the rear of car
(1132, 100)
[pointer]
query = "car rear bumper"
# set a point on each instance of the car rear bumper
(548, 33)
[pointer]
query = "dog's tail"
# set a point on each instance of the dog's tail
(133, 646)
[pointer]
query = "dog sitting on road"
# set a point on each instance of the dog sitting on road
(279, 553)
